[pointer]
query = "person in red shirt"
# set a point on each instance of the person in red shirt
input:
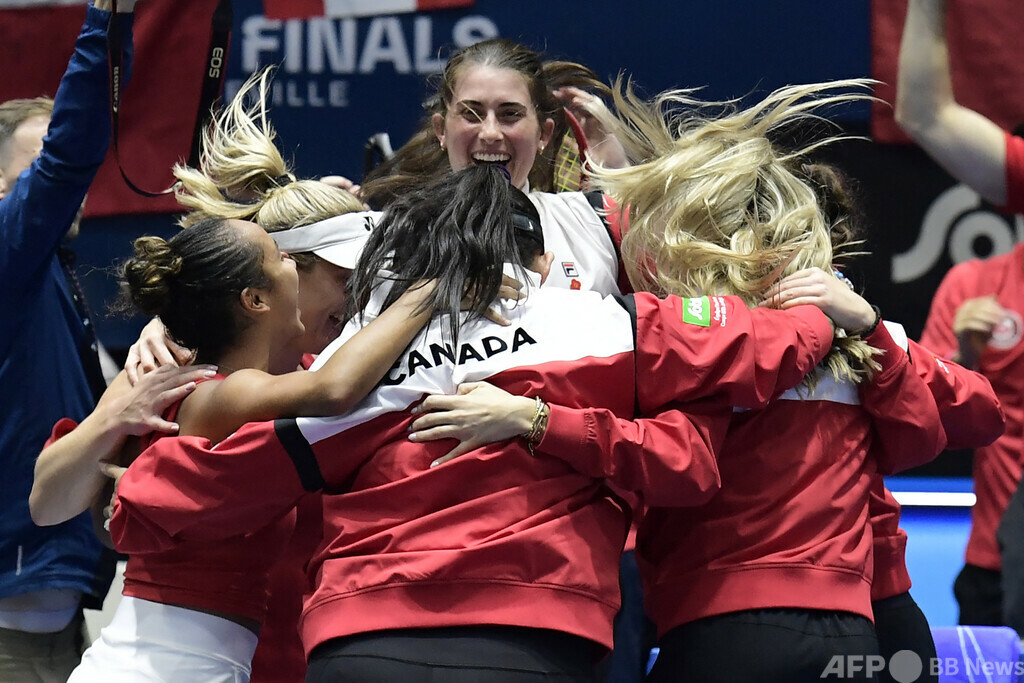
(499, 561)
(225, 289)
(976, 314)
(770, 579)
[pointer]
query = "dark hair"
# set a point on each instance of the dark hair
(529, 233)
(422, 156)
(458, 230)
(836, 198)
(192, 281)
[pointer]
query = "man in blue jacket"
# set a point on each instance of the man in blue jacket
(48, 363)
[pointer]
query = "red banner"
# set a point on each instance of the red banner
(986, 50)
(159, 104)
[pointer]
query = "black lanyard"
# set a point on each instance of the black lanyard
(213, 83)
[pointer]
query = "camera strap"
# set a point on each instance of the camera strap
(213, 82)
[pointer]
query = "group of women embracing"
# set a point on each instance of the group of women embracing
(452, 485)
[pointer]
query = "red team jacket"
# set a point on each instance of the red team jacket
(971, 417)
(789, 527)
(997, 468)
(496, 536)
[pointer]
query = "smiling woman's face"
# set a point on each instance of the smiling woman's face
(492, 119)
(321, 304)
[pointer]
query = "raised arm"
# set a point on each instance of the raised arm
(38, 207)
(350, 373)
(906, 418)
(688, 349)
(969, 146)
(67, 474)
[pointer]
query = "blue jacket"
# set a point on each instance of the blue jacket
(41, 332)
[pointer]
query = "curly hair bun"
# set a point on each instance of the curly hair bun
(151, 273)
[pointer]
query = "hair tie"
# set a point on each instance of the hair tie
(505, 172)
(282, 180)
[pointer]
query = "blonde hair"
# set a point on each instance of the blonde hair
(242, 174)
(715, 207)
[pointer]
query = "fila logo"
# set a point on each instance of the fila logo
(569, 268)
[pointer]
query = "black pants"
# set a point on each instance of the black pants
(767, 646)
(634, 632)
(1011, 549)
(979, 592)
(901, 625)
(456, 655)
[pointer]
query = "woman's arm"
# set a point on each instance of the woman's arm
(971, 413)
(605, 149)
(345, 379)
(67, 477)
(668, 457)
(969, 146)
(906, 419)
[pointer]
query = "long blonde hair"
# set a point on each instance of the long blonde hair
(242, 174)
(715, 207)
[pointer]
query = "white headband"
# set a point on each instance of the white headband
(339, 239)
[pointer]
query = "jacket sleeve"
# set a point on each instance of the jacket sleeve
(889, 543)
(908, 430)
(185, 488)
(970, 411)
(689, 349)
(668, 458)
(42, 204)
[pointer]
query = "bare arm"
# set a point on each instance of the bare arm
(67, 475)
(344, 380)
(969, 146)
(591, 112)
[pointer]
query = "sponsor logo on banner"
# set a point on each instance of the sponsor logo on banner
(957, 221)
(697, 311)
(317, 50)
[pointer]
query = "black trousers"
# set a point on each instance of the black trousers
(979, 593)
(464, 654)
(768, 646)
(901, 625)
(1010, 535)
(635, 634)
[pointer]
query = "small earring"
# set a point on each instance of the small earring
(441, 142)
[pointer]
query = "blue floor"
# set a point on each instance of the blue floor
(937, 536)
